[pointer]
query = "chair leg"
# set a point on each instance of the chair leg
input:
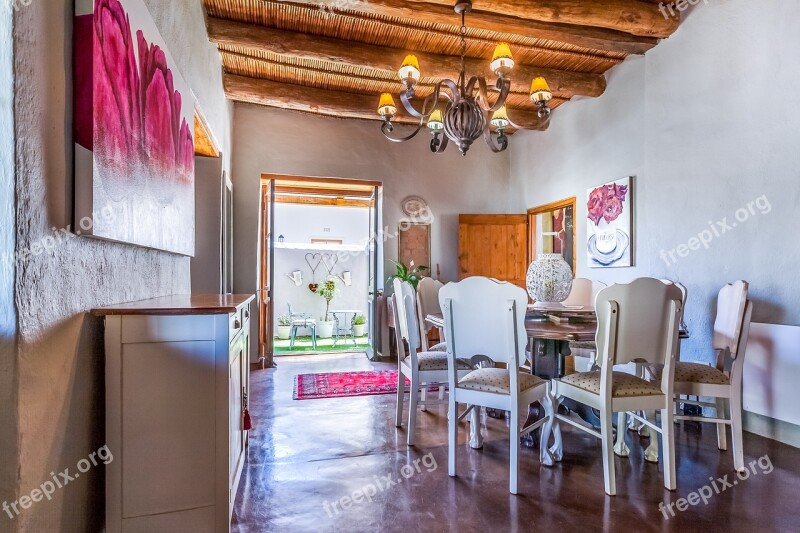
(722, 431)
(736, 430)
(413, 402)
(621, 448)
(514, 449)
(423, 394)
(401, 385)
(294, 334)
(314, 337)
(452, 435)
(606, 431)
(668, 443)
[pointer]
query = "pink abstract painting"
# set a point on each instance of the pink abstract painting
(134, 117)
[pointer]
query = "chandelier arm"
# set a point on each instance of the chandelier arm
(441, 147)
(437, 92)
(505, 89)
(542, 122)
(496, 148)
(387, 127)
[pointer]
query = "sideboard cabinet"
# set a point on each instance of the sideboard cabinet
(176, 382)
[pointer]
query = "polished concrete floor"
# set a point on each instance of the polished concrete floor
(326, 465)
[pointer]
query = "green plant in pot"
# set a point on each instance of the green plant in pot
(328, 291)
(360, 325)
(411, 273)
(284, 327)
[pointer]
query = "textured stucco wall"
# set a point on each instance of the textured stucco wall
(60, 364)
(692, 120)
(284, 142)
(8, 321)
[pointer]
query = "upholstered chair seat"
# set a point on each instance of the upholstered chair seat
(497, 380)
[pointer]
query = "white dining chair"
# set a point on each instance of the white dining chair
(638, 321)
(486, 317)
(647, 372)
(422, 369)
(731, 330)
(428, 304)
(583, 293)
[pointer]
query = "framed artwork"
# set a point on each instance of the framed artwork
(134, 125)
(610, 230)
(551, 230)
(414, 242)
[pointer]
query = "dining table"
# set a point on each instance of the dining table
(551, 334)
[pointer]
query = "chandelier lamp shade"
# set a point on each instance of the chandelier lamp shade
(461, 111)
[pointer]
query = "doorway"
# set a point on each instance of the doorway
(319, 266)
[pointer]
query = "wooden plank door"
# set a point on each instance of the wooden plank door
(495, 246)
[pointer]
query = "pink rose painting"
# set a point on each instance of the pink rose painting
(134, 146)
(609, 234)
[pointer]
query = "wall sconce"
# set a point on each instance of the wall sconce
(281, 238)
(296, 277)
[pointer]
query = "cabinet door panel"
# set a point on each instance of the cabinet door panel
(168, 427)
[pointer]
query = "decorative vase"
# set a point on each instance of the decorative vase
(549, 280)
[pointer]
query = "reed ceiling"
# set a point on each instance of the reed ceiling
(335, 57)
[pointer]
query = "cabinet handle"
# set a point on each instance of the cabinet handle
(237, 324)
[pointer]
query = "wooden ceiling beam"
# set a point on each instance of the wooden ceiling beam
(629, 16)
(326, 102)
(525, 26)
(326, 49)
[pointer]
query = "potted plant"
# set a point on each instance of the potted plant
(412, 274)
(360, 326)
(284, 327)
(328, 291)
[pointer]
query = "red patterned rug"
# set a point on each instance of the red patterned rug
(346, 384)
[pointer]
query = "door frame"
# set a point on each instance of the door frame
(267, 258)
(546, 208)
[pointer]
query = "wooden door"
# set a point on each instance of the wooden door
(495, 246)
(266, 274)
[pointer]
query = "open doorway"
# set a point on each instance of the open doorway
(320, 266)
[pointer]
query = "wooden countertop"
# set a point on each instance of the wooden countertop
(180, 304)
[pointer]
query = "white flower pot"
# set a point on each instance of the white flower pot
(325, 330)
(284, 332)
(360, 330)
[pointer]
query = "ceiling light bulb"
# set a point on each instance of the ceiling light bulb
(436, 121)
(540, 91)
(502, 60)
(387, 107)
(500, 119)
(409, 71)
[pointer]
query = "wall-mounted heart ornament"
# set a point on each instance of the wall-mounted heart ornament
(330, 261)
(313, 261)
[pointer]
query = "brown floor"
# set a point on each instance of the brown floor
(306, 454)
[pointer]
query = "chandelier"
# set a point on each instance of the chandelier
(467, 113)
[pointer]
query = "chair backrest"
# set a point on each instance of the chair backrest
(405, 316)
(684, 296)
(484, 317)
(731, 308)
(428, 301)
(289, 305)
(737, 366)
(584, 292)
(638, 321)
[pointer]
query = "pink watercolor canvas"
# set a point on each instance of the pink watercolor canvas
(134, 117)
